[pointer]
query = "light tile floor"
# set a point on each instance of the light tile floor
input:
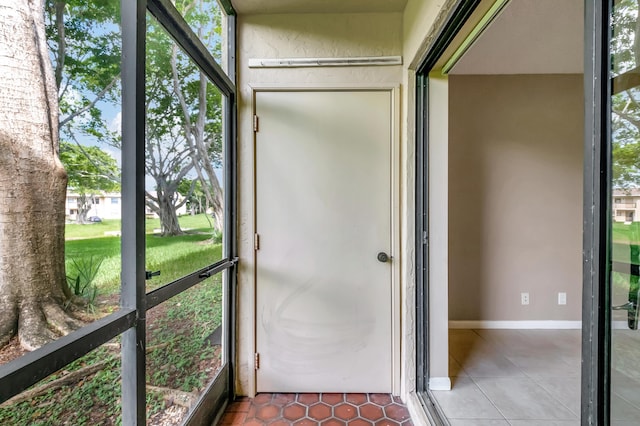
(527, 378)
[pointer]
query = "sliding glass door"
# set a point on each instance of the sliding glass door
(624, 218)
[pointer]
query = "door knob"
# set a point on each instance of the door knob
(383, 257)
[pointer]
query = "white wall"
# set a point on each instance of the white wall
(341, 35)
(104, 209)
(284, 36)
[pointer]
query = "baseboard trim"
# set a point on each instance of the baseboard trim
(439, 383)
(620, 325)
(518, 325)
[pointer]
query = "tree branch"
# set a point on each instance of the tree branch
(91, 104)
(178, 90)
(151, 197)
(65, 380)
(98, 166)
(633, 120)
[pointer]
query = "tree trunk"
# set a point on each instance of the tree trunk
(198, 145)
(210, 184)
(84, 206)
(218, 201)
(168, 218)
(32, 183)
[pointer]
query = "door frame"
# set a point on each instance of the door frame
(442, 36)
(397, 313)
(596, 312)
(596, 324)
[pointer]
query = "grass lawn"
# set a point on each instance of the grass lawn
(174, 257)
(620, 232)
(74, 231)
(180, 355)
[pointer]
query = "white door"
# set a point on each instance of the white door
(323, 213)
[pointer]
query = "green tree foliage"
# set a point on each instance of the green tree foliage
(184, 115)
(85, 47)
(90, 171)
(184, 123)
(192, 190)
(625, 126)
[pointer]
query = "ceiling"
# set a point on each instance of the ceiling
(529, 37)
(317, 6)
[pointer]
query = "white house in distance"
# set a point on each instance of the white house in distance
(626, 205)
(107, 205)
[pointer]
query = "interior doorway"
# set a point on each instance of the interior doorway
(515, 181)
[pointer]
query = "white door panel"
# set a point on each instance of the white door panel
(323, 208)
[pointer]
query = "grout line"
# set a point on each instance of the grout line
(534, 380)
(636, 406)
(487, 396)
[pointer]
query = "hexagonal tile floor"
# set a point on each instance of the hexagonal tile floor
(327, 409)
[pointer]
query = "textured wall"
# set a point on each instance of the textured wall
(335, 35)
(515, 196)
(296, 35)
(420, 26)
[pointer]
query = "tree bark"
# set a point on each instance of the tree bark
(168, 218)
(65, 380)
(198, 144)
(32, 183)
(84, 205)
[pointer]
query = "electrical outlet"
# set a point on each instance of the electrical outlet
(562, 298)
(524, 297)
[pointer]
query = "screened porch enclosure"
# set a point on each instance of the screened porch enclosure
(147, 136)
(326, 210)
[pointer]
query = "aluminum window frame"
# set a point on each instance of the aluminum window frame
(130, 320)
(444, 35)
(596, 300)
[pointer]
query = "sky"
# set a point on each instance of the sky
(112, 113)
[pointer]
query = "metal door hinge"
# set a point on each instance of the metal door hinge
(256, 361)
(256, 242)
(425, 237)
(255, 123)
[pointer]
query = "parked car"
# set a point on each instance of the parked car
(94, 219)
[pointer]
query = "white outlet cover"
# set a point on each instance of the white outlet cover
(562, 298)
(524, 297)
